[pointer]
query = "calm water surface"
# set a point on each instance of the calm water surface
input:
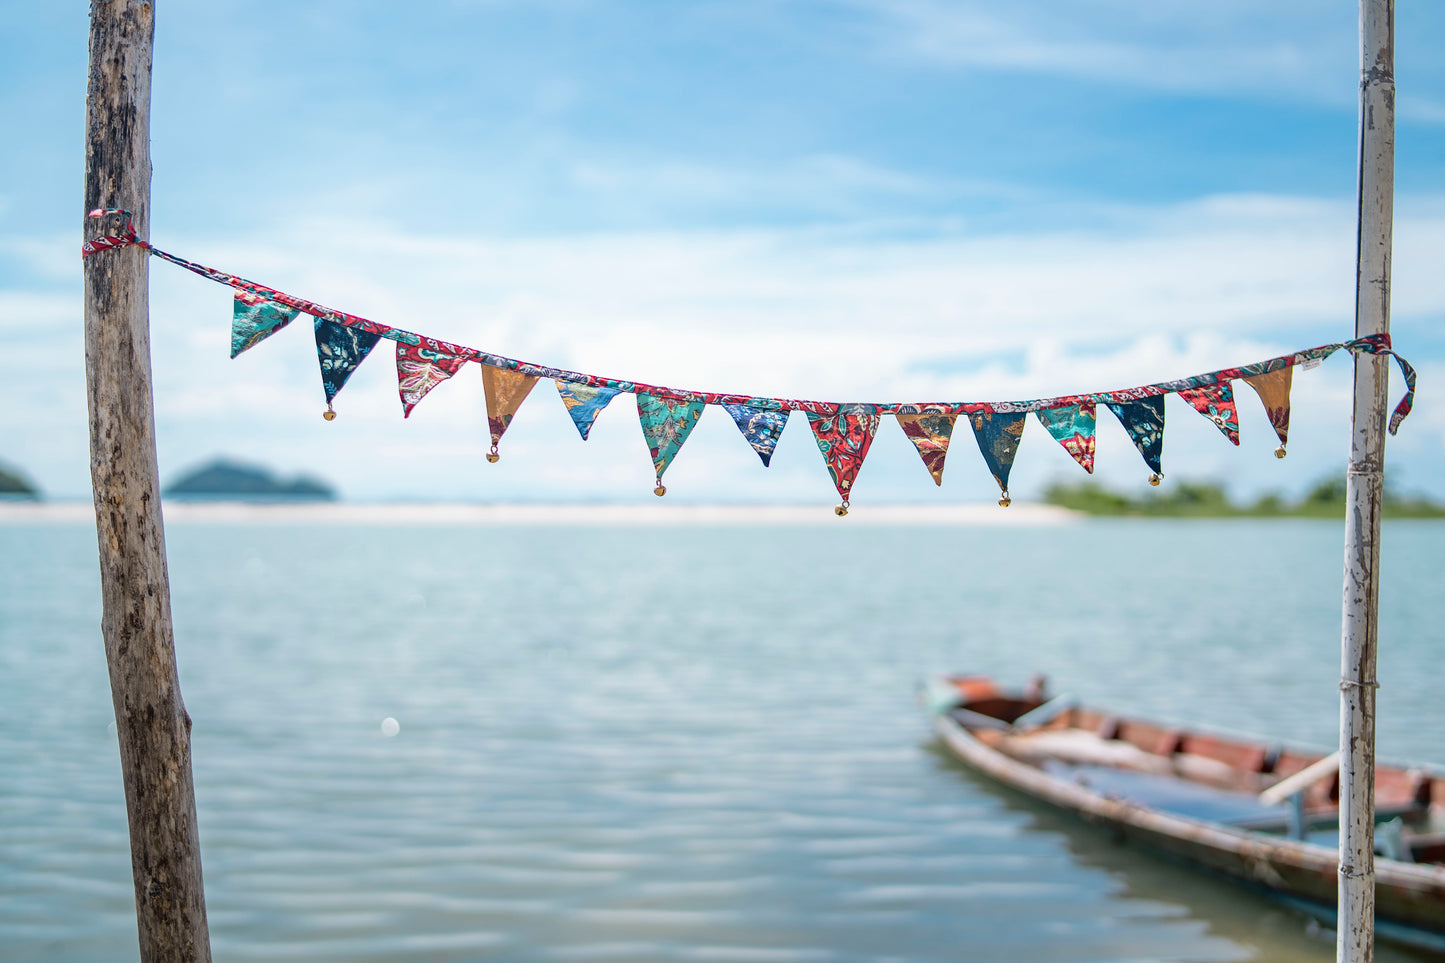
(634, 744)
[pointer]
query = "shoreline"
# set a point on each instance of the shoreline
(452, 513)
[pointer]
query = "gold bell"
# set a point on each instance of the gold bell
(493, 455)
(1155, 479)
(841, 510)
(1004, 501)
(1280, 452)
(328, 414)
(660, 490)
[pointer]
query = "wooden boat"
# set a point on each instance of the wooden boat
(1262, 814)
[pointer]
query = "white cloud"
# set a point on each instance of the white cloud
(1295, 48)
(1161, 293)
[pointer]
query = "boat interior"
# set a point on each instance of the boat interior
(1220, 779)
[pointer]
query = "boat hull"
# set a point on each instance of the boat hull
(1410, 898)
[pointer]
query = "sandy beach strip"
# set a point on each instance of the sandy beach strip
(602, 514)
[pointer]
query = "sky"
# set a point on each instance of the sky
(845, 200)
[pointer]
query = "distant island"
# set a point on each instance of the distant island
(224, 480)
(13, 484)
(1187, 499)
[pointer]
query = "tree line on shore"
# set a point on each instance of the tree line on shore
(1202, 499)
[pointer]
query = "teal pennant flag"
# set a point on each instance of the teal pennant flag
(666, 425)
(254, 319)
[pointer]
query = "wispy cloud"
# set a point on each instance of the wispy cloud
(1290, 48)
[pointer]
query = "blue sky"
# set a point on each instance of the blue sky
(866, 200)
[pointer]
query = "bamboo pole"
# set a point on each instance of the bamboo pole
(152, 726)
(1365, 488)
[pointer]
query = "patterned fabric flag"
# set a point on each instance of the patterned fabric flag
(1144, 421)
(761, 428)
(666, 425)
(584, 403)
(420, 368)
(505, 391)
(254, 319)
(340, 350)
(930, 433)
(1073, 427)
(1216, 402)
(844, 438)
(998, 434)
(1273, 390)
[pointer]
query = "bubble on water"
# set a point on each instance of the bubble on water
(390, 727)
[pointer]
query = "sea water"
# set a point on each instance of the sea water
(692, 743)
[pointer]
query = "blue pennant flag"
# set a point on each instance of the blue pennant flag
(761, 428)
(584, 403)
(340, 349)
(1144, 421)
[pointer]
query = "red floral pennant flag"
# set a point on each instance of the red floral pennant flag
(1273, 390)
(844, 438)
(1216, 402)
(1073, 427)
(421, 367)
(505, 391)
(930, 433)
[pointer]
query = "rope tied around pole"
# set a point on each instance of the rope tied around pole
(108, 242)
(1345, 684)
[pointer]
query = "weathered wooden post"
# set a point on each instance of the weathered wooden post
(151, 721)
(1366, 485)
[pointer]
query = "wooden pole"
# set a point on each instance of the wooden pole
(1365, 487)
(151, 721)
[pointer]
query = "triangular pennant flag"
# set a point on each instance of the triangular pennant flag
(1216, 402)
(1273, 390)
(254, 319)
(844, 438)
(760, 427)
(340, 349)
(584, 403)
(1073, 427)
(998, 434)
(930, 433)
(1144, 421)
(505, 391)
(420, 368)
(666, 425)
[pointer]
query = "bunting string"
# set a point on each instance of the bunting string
(843, 430)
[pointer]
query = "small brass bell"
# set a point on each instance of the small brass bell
(660, 490)
(1004, 501)
(493, 455)
(841, 510)
(1280, 452)
(1155, 479)
(328, 414)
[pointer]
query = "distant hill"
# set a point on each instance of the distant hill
(223, 480)
(13, 484)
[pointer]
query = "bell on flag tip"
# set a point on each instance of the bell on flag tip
(493, 455)
(1156, 478)
(330, 413)
(1004, 500)
(661, 489)
(841, 509)
(1280, 452)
